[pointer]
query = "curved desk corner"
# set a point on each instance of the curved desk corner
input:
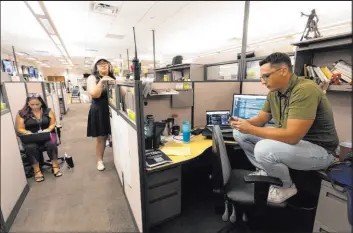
(198, 145)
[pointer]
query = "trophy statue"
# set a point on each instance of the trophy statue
(311, 25)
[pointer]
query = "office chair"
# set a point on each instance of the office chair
(239, 189)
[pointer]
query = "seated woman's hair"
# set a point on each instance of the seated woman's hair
(26, 109)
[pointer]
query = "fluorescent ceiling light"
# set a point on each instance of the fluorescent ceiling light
(55, 39)
(61, 60)
(31, 58)
(36, 8)
(46, 24)
(21, 54)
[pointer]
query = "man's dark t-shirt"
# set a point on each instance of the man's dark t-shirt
(304, 99)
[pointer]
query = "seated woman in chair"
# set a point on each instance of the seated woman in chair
(33, 118)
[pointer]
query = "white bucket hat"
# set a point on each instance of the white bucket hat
(96, 60)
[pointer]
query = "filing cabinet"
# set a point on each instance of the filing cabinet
(331, 213)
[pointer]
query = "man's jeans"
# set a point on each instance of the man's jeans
(275, 157)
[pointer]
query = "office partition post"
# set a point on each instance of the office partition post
(44, 94)
(154, 51)
(14, 55)
(141, 150)
(242, 63)
(128, 64)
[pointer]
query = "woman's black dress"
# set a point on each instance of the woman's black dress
(98, 116)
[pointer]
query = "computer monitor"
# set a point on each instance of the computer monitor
(248, 106)
(35, 71)
(217, 118)
(8, 66)
(31, 71)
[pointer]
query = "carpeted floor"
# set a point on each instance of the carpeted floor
(83, 199)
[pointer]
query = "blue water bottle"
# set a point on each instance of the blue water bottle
(186, 131)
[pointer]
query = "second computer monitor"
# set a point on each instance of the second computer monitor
(248, 106)
(217, 118)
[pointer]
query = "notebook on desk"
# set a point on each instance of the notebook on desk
(155, 158)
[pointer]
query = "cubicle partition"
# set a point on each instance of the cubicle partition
(254, 88)
(126, 117)
(62, 95)
(165, 104)
(210, 96)
(55, 105)
(16, 96)
(14, 187)
(37, 87)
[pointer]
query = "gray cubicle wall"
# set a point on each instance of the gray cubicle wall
(128, 148)
(36, 87)
(161, 106)
(16, 96)
(14, 187)
(213, 96)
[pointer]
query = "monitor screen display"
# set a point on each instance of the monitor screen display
(248, 106)
(217, 118)
(8, 66)
(31, 71)
(35, 71)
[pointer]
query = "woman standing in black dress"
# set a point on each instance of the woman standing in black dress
(98, 117)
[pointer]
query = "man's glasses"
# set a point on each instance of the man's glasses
(265, 77)
(31, 95)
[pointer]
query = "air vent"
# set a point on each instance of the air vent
(41, 51)
(105, 9)
(114, 36)
(91, 50)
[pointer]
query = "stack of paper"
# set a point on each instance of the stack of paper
(178, 151)
(343, 68)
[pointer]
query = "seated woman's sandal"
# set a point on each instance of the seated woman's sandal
(38, 178)
(58, 173)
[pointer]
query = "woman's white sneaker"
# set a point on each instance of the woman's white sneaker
(100, 166)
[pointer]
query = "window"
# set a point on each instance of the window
(223, 72)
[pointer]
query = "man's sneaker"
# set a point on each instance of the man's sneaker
(258, 172)
(278, 195)
(100, 166)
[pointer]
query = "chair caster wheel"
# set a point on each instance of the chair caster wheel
(245, 218)
(233, 217)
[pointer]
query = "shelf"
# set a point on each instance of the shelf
(165, 93)
(175, 67)
(343, 87)
(341, 40)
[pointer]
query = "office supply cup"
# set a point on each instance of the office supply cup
(175, 130)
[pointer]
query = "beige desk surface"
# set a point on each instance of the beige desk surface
(198, 145)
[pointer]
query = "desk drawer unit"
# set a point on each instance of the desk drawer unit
(331, 213)
(163, 195)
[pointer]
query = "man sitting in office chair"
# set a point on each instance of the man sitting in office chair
(305, 137)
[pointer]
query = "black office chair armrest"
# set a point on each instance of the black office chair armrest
(263, 179)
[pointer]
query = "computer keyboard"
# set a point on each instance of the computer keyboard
(227, 130)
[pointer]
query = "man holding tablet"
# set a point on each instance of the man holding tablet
(304, 138)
